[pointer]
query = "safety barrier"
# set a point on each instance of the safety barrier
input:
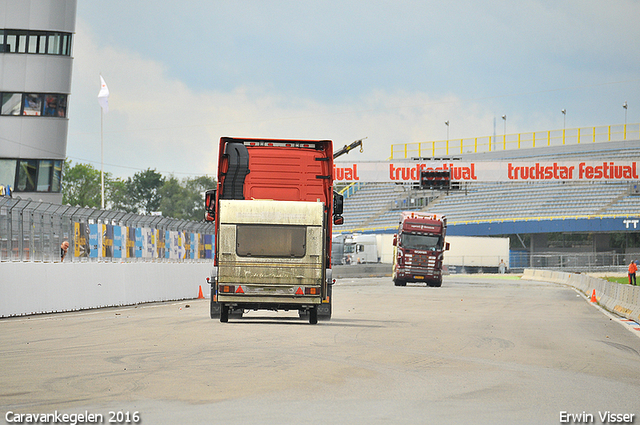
(623, 300)
(28, 288)
(34, 231)
(516, 141)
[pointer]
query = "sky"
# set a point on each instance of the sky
(183, 74)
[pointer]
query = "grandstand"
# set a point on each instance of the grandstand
(529, 207)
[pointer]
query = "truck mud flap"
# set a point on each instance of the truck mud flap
(214, 310)
(324, 311)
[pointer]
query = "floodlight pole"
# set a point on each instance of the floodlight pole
(624, 105)
(504, 134)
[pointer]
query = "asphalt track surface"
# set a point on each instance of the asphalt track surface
(477, 350)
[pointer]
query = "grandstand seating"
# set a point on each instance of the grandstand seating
(376, 206)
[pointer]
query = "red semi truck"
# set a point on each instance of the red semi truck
(273, 208)
(419, 248)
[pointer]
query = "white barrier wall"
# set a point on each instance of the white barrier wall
(31, 288)
(623, 300)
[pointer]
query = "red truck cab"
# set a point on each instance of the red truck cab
(419, 247)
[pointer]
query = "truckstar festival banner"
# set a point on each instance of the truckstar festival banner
(484, 171)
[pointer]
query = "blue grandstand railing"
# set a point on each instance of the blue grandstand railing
(350, 189)
(503, 142)
(389, 229)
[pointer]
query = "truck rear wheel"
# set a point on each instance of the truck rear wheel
(313, 315)
(224, 313)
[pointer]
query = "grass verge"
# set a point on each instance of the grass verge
(621, 280)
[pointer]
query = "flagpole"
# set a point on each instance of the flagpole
(102, 156)
(103, 100)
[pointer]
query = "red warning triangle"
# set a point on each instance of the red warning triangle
(299, 291)
(239, 290)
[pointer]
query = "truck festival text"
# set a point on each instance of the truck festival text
(487, 171)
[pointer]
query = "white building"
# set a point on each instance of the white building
(36, 39)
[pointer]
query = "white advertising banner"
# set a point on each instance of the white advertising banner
(487, 171)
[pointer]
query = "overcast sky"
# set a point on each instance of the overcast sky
(183, 74)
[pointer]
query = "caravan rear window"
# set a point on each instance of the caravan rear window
(258, 240)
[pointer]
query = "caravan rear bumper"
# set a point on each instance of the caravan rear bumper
(270, 294)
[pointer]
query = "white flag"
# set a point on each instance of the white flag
(103, 96)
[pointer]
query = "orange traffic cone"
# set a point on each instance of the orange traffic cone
(200, 296)
(593, 297)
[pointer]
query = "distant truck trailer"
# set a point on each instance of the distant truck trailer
(360, 249)
(477, 254)
(337, 250)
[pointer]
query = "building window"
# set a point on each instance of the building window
(56, 177)
(35, 42)
(33, 45)
(42, 44)
(22, 43)
(8, 172)
(34, 104)
(54, 44)
(44, 176)
(11, 45)
(66, 38)
(27, 173)
(11, 103)
(31, 175)
(54, 105)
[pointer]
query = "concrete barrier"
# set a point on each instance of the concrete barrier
(623, 300)
(32, 288)
(362, 270)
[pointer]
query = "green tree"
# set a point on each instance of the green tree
(143, 193)
(199, 185)
(143, 190)
(81, 185)
(119, 196)
(185, 200)
(175, 200)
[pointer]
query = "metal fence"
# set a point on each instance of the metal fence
(34, 231)
(573, 262)
(600, 262)
(569, 136)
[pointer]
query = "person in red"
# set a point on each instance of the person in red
(633, 268)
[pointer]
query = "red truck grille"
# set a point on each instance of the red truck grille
(420, 261)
